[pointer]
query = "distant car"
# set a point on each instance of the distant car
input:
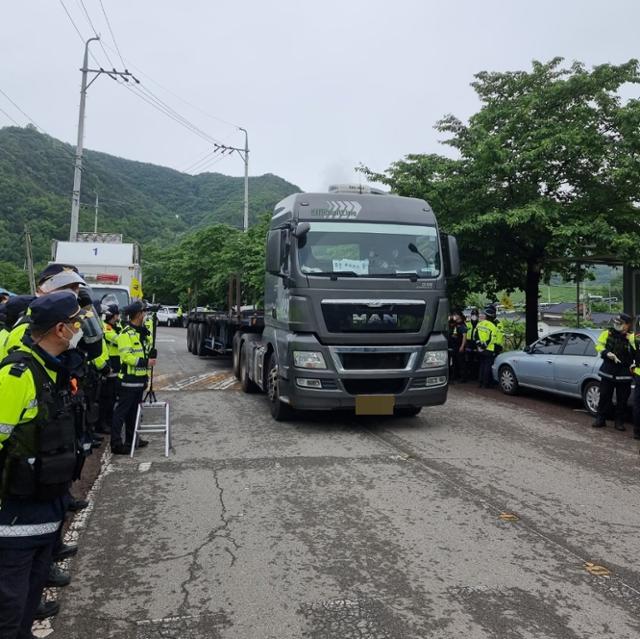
(168, 316)
(564, 362)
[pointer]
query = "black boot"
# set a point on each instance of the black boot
(599, 423)
(46, 609)
(620, 425)
(58, 578)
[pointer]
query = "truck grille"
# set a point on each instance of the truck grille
(383, 317)
(374, 386)
(374, 361)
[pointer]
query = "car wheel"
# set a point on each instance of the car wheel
(507, 380)
(406, 411)
(247, 385)
(591, 396)
(279, 410)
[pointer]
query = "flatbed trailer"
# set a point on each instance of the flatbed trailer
(211, 332)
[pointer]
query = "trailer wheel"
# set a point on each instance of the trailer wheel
(236, 348)
(200, 348)
(189, 338)
(280, 411)
(193, 329)
(247, 385)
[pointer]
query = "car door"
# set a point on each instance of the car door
(538, 368)
(576, 362)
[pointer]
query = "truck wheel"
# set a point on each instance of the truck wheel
(406, 411)
(200, 344)
(235, 366)
(193, 329)
(247, 385)
(189, 339)
(279, 410)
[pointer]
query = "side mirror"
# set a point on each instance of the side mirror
(274, 252)
(454, 256)
(527, 349)
(302, 228)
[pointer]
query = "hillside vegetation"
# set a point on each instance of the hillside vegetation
(153, 205)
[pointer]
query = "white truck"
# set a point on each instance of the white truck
(110, 266)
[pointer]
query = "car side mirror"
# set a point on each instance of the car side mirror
(527, 349)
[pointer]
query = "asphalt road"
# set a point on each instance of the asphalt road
(489, 517)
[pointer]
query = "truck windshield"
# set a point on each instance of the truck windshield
(370, 250)
(107, 295)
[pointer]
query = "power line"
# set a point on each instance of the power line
(10, 118)
(113, 37)
(95, 32)
(75, 26)
(21, 111)
(179, 97)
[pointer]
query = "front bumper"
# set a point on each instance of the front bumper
(340, 385)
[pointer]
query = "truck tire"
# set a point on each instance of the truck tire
(235, 366)
(193, 329)
(200, 348)
(246, 383)
(280, 411)
(189, 338)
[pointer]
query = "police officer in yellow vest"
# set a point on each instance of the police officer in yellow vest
(617, 348)
(489, 340)
(38, 457)
(111, 327)
(136, 357)
(15, 310)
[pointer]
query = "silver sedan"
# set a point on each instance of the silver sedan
(563, 363)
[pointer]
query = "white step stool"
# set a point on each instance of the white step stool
(141, 427)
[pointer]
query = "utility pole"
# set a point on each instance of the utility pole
(95, 219)
(244, 154)
(29, 251)
(77, 173)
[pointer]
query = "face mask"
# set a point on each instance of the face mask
(75, 338)
(618, 326)
(474, 318)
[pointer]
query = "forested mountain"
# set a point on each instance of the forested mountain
(145, 202)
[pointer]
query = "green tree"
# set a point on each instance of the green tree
(547, 171)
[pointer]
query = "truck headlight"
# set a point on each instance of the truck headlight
(435, 359)
(308, 359)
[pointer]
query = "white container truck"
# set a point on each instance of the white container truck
(111, 267)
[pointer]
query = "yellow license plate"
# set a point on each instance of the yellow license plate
(375, 404)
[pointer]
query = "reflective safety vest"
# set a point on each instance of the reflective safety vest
(133, 351)
(39, 451)
(14, 339)
(623, 347)
(4, 334)
(111, 340)
(488, 336)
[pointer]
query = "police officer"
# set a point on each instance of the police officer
(15, 310)
(179, 314)
(617, 348)
(457, 345)
(471, 350)
(489, 342)
(38, 457)
(111, 327)
(136, 357)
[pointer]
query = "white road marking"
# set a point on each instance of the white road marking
(144, 467)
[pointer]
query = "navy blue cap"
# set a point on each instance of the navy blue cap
(16, 306)
(48, 310)
(490, 310)
(54, 269)
(625, 318)
(133, 308)
(110, 309)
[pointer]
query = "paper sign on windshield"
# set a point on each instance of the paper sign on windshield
(360, 267)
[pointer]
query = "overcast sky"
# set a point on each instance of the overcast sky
(321, 86)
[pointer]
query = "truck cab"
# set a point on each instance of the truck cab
(356, 308)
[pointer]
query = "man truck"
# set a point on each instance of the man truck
(355, 307)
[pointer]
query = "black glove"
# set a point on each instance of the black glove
(153, 353)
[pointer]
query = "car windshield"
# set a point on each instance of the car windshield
(354, 249)
(106, 295)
